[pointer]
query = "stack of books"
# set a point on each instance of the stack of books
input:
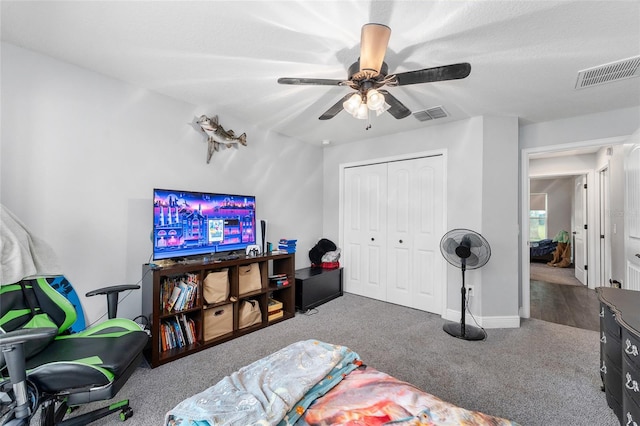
(279, 280)
(177, 332)
(288, 246)
(274, 309)
(179, 293)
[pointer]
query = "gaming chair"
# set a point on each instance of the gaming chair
(44, 366)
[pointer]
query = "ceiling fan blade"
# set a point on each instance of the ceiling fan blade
(335, 109)
(310, 81)
(374, 39)
(429, 75)
(397, 109)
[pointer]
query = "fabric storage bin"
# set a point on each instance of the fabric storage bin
(218, 321)
(249, 278)
(249, 314)
(216, 286)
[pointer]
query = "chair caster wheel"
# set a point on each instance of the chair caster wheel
(126, 413)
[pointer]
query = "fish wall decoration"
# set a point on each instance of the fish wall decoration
(217, 135)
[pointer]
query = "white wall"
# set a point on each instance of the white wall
(464, 142)
(591, 127)
(500, 220)
(81, 153)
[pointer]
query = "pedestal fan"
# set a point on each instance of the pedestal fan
(464, 249)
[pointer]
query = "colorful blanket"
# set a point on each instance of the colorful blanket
(370, 397)
(311, 383)
(275, 389)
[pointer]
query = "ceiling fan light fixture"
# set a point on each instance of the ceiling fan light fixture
(352, 104)
(373, 46)
(382, 109)
(375, 99)
(362, 113)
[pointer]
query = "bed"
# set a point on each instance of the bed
(542, 251)
(315, 383)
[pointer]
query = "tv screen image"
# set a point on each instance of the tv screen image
(188, 223)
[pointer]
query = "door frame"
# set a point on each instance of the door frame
(401, 157)
(593, 194)
(587, 212)
(604, 222)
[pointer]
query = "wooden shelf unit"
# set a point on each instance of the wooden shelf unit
(154, 275)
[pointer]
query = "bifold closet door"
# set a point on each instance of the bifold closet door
(365, 230)
(393, 222)
(414, 228)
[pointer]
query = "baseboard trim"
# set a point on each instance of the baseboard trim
(485, 322)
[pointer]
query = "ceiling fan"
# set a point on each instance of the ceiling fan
(370, 73)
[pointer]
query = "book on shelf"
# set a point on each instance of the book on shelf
(279, 280)
(179, 293)
(289, 246)
(277, 276)
(284, 241)
(177, 332)
(175, 294)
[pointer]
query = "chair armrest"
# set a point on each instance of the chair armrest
(13, 350)
(112, 289)
(24, 335)
(112, 296)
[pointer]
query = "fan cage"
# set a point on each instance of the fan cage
(482, 251)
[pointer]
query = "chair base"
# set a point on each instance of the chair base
(52, 416)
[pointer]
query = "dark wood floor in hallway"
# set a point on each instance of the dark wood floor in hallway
(572, 305)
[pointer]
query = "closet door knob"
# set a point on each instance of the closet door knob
(400, 241)
(373, 239)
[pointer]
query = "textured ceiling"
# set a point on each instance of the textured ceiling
(226, 56)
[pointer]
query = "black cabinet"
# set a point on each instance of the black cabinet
(619, 346)
(315, 286)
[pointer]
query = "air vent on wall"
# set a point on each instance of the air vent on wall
(613, 71)
(431, 114)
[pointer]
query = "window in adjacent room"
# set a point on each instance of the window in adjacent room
(537, 216)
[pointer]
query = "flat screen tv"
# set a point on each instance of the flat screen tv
(187, 223)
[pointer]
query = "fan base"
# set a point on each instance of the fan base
(470, 332)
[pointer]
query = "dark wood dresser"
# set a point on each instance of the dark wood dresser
(619, 356)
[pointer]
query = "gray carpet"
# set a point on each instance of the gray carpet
(538, 374)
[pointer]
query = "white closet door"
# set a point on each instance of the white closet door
(365, 230)
(415, 270)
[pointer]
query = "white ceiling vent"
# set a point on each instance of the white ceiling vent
(613, 71)
(431, 114)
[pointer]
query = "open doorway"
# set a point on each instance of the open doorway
(556, 248)
(585, 160)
